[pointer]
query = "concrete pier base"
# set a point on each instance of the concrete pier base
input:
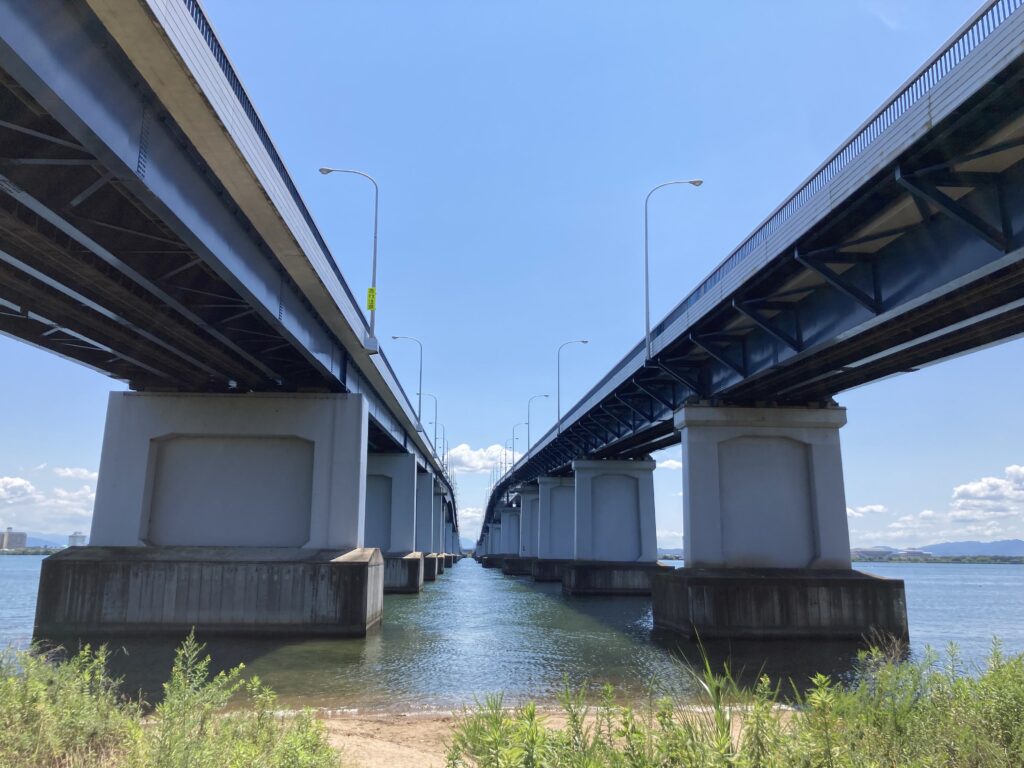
(547, 570)
(440, 563)
(583, 578)
(95, 591)
(762, 603)
(430, 570)
(449, 561)
(403, 573)
(490, 561)
(517, 566)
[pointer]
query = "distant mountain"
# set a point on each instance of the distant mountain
(1004, 548)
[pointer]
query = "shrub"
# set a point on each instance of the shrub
(893, 713)
(69, 714)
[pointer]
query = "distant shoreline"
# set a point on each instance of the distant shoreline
(31, 551)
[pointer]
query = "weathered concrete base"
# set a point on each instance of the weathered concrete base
(449, 561)
(517, 566)
(440, 563)
(601, 578)
(547, 570)
(491, 561)
(778, 603)
(95, 591)
(430, 567)
(403, 573)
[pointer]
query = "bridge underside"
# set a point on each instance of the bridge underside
(924, 263)
(88, 271)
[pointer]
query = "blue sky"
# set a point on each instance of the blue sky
(514, 143)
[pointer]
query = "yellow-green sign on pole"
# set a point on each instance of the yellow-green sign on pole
(371, 299)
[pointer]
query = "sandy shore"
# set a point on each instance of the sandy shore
(391, 740)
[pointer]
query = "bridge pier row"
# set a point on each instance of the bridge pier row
(438, 528)
(391, 519)
(615, 548)
(766, 538)
(511, 535)
(494, 555)
(233, 514)
(556, 526)
(425, 499)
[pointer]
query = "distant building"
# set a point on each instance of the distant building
(13, 540)
(76, 539)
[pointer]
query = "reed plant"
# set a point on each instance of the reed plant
(71, 714)
(929, 713)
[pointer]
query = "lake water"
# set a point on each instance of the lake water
(475, 631)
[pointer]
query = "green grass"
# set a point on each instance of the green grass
(895, 713)
(71, 714)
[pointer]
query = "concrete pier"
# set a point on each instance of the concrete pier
(391, 518)
(99, 591)
(449, 561)
(766, 540)
(430, 570)
(230, 513)
(603, 578)
(766, 603)
(403, 573)
(517, 566)
(547, 570)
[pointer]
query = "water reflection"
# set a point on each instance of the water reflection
(475, 632)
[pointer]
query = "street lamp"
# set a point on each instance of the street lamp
(647, 271)
(514, 428)
(370, 343)
(419, 393)
(529, 445)
(434, 422)
(559, 384)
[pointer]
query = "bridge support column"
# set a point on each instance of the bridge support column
(556, 526)
(511, 564)
(527, 549)
(391, 519)
(615, 543)
(230, 513)
(425, 524)
(494, 557)
(766, 540)
(438, 529)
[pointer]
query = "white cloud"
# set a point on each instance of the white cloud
(470, 518)
(56, 511)
(990, 498)
(866, 509)
(16, 490)
(462, 458)
(670, 464)
(77, 473)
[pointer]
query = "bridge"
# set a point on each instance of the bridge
(265, 471)
(901, 250)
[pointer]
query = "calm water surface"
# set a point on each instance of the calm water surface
(475, 631)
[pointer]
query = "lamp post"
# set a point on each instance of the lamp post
(647, 271)
(419, 389)
(529, 444)
(514, 428)
(370, 343)
(559, 378)
(434, 422)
